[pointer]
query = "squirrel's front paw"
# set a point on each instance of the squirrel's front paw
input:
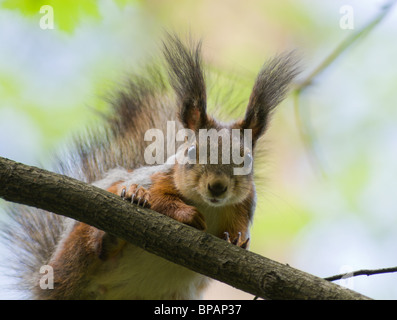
(237, 241)
(190, 216)
(136, 194)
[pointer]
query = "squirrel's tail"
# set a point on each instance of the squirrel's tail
(31, 235)
(143, 104)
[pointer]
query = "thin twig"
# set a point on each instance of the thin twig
(305, 132)
(362, 272)
(345, 44)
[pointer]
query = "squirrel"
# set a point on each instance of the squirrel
(88, 263)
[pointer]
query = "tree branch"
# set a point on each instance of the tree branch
(362, 272)
(160, 235)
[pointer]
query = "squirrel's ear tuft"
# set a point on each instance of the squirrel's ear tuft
(269, 90)
(187, 79)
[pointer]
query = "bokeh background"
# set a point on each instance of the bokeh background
(328, 203)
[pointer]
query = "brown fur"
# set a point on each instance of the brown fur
(166, 199)
(208, 197)
(73, 260)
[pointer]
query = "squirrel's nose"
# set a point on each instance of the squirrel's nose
(217, 188)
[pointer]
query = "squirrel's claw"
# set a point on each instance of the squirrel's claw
(237, 241)
(135, 194)
(244, 244)
(133, 197)
(123, 193)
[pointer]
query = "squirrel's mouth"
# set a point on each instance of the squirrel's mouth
(216, 202)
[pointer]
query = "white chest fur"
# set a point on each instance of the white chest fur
(138, 274)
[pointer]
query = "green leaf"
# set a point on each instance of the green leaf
(68, 14)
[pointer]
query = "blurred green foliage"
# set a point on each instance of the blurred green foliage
(69, 13)
(350, 108)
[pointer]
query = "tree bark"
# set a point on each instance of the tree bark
(160, 235)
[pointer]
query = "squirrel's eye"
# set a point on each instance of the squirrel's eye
(248, 159)
(191, 153)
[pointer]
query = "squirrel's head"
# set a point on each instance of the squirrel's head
(215, 165)
(219, 157)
